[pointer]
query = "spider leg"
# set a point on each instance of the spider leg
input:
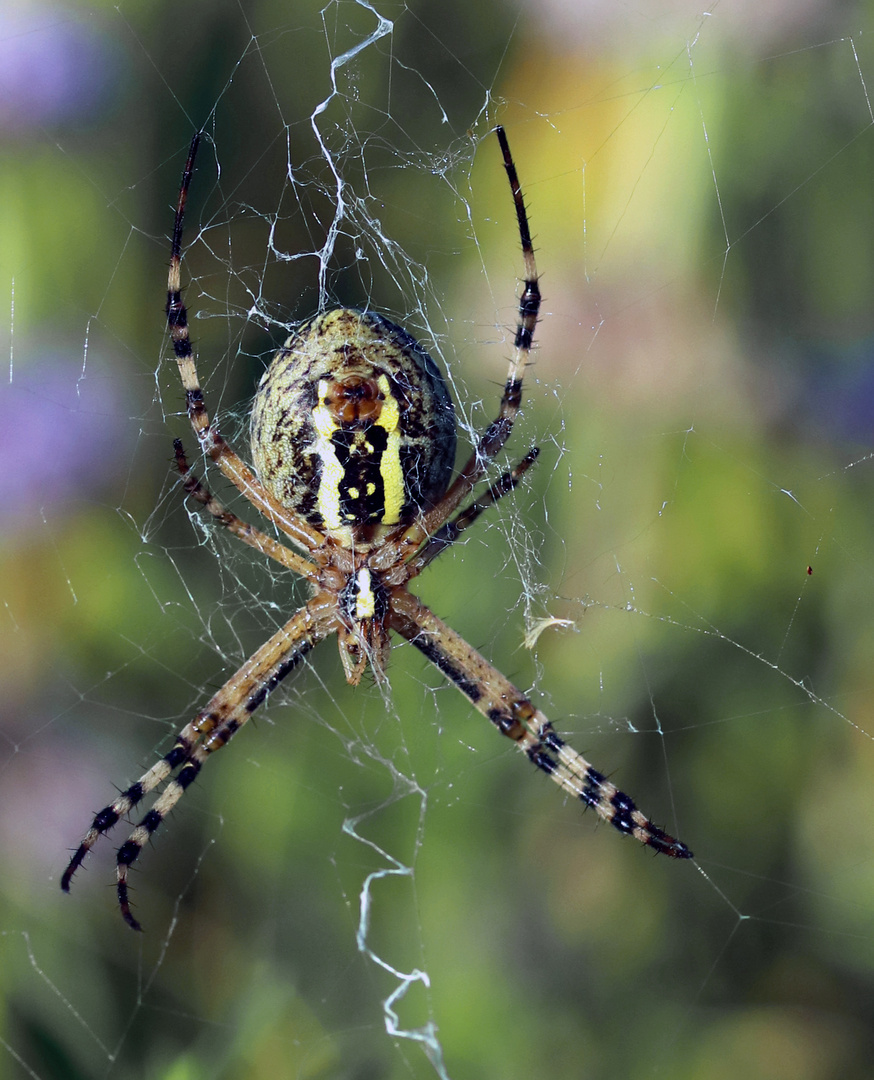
(514, 716)
(447, 534)
(529, 308)
(498, 431)
(227, 711)
(241, 529)
(211, 441)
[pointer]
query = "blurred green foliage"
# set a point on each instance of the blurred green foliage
(701, 516)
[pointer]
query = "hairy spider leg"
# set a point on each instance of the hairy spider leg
(211, 729)
(234, 524)
(516, 717)
(211, 441)
(377, 578)
(448, 533)
(498, 431)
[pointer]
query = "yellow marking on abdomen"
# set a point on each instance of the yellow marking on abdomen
(390, 462)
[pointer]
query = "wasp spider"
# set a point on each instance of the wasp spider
(353, 439)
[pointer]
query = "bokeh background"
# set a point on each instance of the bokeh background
(684, 582)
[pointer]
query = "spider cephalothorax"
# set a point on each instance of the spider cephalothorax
(353, 441)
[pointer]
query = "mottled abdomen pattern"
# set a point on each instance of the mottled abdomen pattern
(353, 424)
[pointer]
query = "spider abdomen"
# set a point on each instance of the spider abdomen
(352, 424)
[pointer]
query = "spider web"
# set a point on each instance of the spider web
(371, 882)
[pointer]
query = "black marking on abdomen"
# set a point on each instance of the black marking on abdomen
(362, 489)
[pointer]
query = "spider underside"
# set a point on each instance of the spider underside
(353, 438)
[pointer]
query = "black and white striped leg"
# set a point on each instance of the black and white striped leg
(529, 309)
(212, 442)
(447, 534)
(214, 726)
(498, 431)
(516, 717)
(234, 524)
(110, 815)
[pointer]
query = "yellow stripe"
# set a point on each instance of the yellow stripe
(332, 471)
(390, 464)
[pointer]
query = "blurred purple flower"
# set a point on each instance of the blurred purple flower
(55, 68)
(63, 435)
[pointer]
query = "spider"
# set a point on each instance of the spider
(353, 440)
